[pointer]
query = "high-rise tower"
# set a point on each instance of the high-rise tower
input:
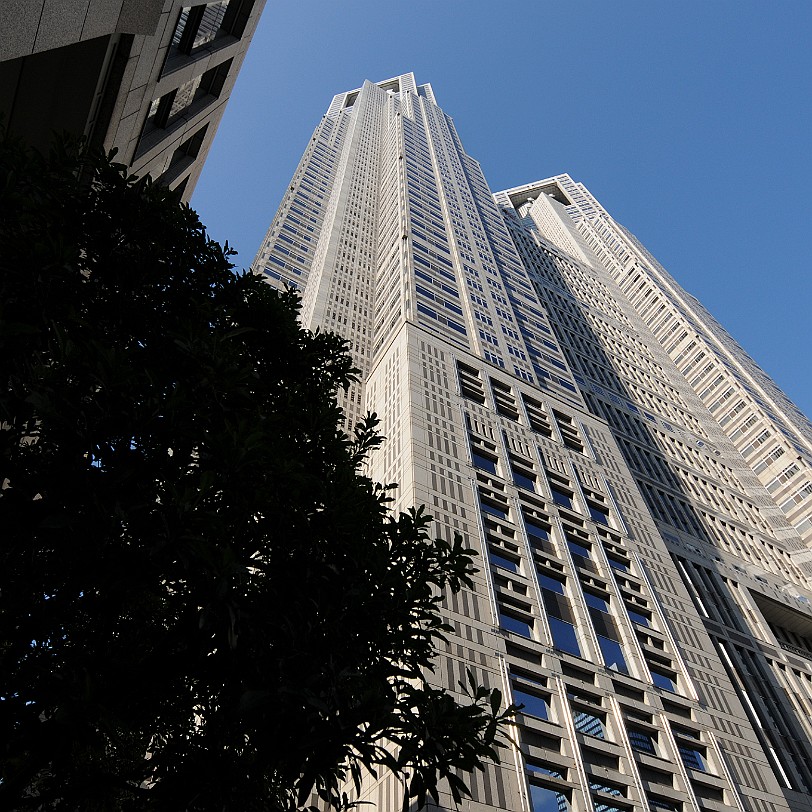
(642, 593)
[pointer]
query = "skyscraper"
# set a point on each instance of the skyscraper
(549, 392)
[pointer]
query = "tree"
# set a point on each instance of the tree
(204, 603)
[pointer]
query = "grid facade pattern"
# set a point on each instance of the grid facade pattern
(641, 594)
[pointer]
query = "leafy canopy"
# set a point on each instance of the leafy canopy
(204, 603)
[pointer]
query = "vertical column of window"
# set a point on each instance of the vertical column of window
(597, 504)
(504, 550)
(556, 606)
(606, 630)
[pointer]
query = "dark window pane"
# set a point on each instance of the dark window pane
(596, 601)
(643, 741)
(485, 463)
(515, 624)
(692, 758)
(612, 655)
(637, 617)
(505, 563)
(598, 514)
(556, 605)
(543, 799)
(493, 510)
(524, 481)
(564, 636)
(663, 680)
(589, 724)
(609, 789)
(561, 498)
(553, 584)
(533, 705)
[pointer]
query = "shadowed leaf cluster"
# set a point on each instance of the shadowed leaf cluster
(204, 603)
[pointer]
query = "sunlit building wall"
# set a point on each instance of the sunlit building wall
(640, 594)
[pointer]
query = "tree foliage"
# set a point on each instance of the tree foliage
(204, 603)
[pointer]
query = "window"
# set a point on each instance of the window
(598, 514)
(493, 508)
(659, 804)
(484, 463)
(534, 705)
(505, 562)
(524, 479)
(184, 155)
(663, 679)
(643, 741)
(543, 799)
(612, 654)
(516, 622)
(564, 636)
(561, 497)
(200, 25)
(638, 617)
(692, 757)
(588, 723)
(197, 26)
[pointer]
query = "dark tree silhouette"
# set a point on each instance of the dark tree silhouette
(204, 603)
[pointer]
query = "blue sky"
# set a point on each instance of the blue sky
(691, 122)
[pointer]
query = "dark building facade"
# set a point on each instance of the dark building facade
(149, 78)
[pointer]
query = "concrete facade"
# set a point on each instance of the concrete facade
(148, 78)
(641, 593)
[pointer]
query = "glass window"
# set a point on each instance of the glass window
(598, 514)
(643, 741)
(198, 26)
(534, 705)
(663, 680)
(523, 480)
(564, 636)
(553, 584)
(596, 601)
(561, 498)
(637, 617)
(609, 789)
(493, 510)
(692, 757)
(503, 562)
(666, 806)
(484, 463)
(546, 769)
(612, 654)
(588, 724)
(543, 799)
(516, 623)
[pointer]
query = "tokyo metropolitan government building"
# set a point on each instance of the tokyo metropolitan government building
(639, 491)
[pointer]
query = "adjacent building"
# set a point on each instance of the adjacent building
(550, 393)
(149, 78)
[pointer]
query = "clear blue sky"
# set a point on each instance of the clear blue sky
(691, 122)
